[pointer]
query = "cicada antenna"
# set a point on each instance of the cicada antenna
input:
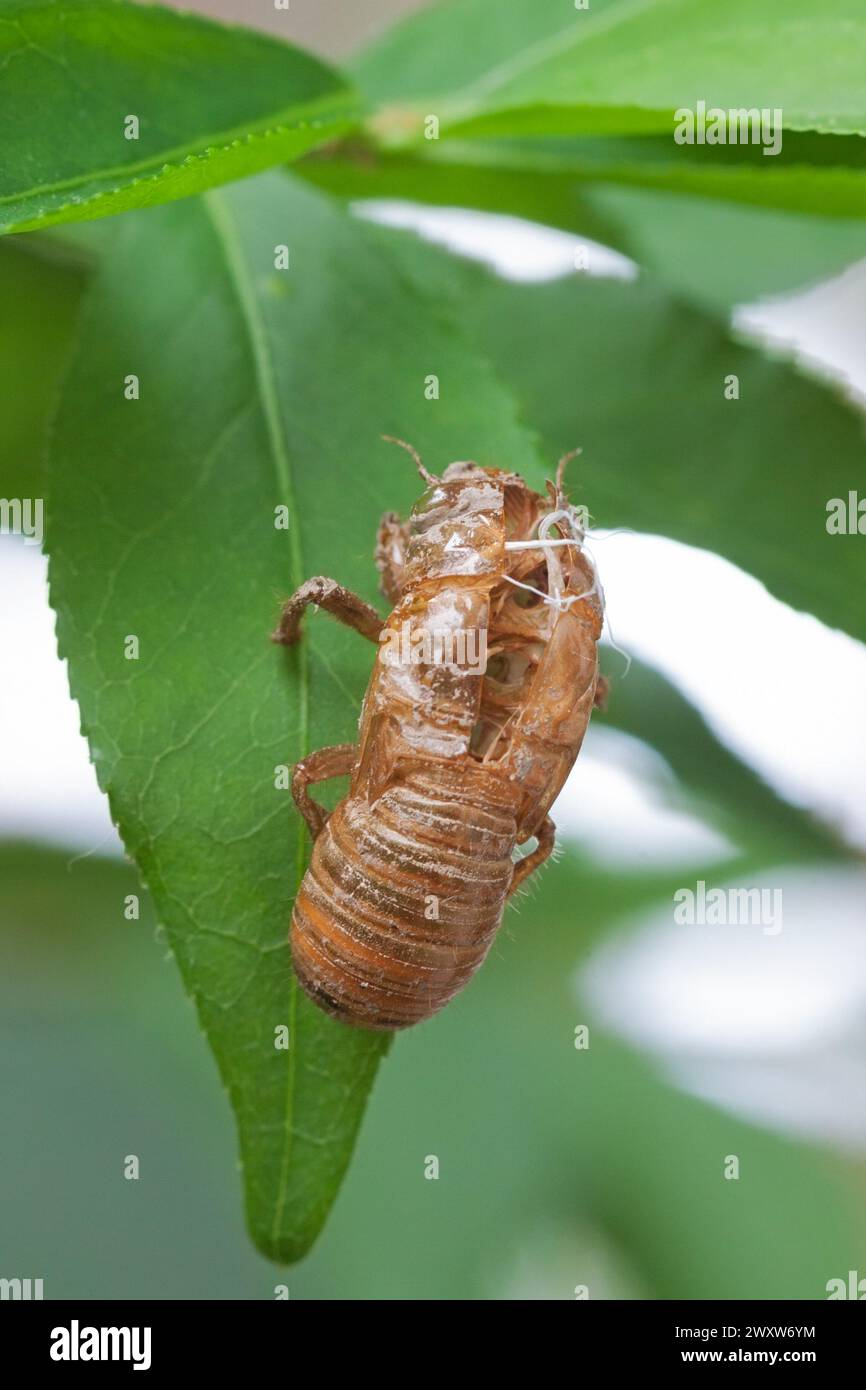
(429, 478)
(561, 466)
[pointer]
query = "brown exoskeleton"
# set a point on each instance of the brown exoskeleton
(461, 752)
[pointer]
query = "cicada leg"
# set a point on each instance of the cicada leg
(339, 602)
(530, 862)
(336, 761)
(390, 554)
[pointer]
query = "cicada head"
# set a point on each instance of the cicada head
(457, 528)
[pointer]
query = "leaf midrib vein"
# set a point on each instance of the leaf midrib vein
(226, 233)
(552, 45)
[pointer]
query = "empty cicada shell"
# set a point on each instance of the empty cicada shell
(479, 699)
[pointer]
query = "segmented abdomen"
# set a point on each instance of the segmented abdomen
(403, 897)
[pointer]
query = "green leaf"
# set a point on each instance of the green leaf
(213, 104)
(258, 388)
(721, 254)
(716, 252)
(40, 290)
(721, 789)
(819, 174)
(639, 381)
(358, 170)
(452, 46)
(626, 67)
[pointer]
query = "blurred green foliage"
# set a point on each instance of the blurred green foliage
(558, 1167)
